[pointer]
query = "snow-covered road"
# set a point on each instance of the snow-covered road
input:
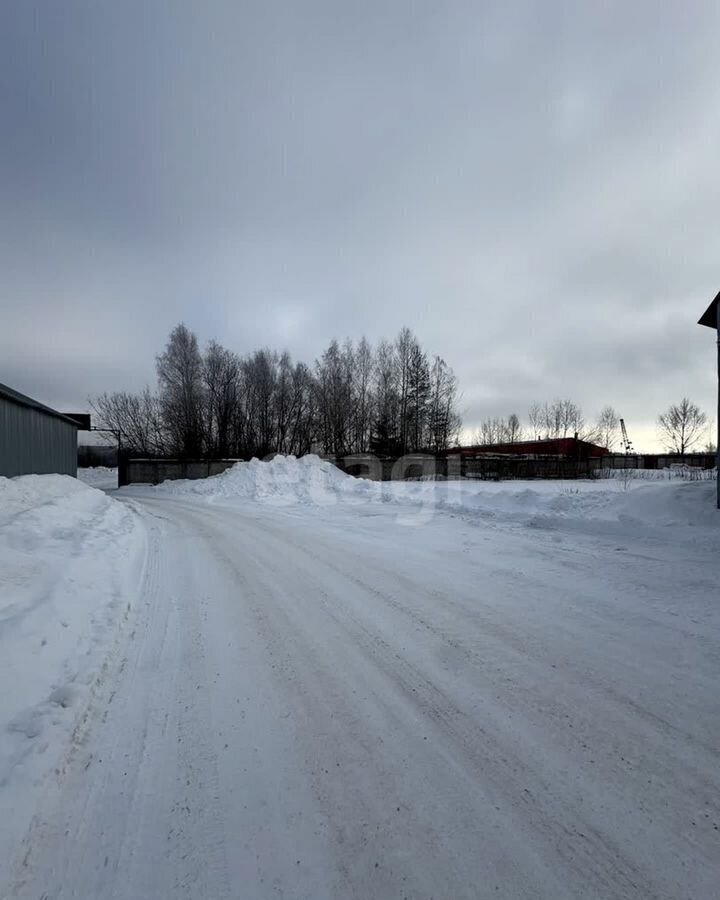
(345, 703)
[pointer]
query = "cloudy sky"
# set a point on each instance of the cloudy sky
(532, 187)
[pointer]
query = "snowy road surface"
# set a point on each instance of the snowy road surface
(341, 703)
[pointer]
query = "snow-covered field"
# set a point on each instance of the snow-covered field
(328, 687)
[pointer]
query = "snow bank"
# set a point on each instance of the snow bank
(581, 505)
(70, 562)
(102, 477)
(281, 481)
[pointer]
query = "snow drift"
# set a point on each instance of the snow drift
(591, 505)
(281, 481)
(71, 560)
(102, 477)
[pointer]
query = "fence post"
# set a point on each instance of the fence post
(122, 466)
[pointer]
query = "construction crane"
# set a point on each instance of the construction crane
(627, 445)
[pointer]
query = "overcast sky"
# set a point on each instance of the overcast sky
(533, 188)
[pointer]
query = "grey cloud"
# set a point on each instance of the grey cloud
(531, 187)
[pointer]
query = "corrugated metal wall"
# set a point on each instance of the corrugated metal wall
(33, 442)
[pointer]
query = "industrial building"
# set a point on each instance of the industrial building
(34, 439)
(571, 448)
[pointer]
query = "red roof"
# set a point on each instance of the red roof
(570, 447)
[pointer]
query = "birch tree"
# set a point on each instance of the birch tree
(181, 391)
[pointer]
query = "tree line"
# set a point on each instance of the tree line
(681, 427)
(559, 418)
(390, 400)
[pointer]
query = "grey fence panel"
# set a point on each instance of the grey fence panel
(154, 471)
(90, 455)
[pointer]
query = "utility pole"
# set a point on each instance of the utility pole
(717, 436)
(711, 318)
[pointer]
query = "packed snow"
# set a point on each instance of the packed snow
(105, 478)
(70, 564)
(329, 687)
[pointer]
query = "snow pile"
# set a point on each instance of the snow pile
(70, 563)
(671, 504)
(589, 505)
(102, 477)
(281, 481)
(597, 507)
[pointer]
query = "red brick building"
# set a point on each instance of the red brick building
(558, 448)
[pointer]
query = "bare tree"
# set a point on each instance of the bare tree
(571, 419)
(283, 404)
(607, 427)
(403, 353)
(491, 431)
(333, 384)
(514, 429)
(258, 430)
(221, 378)
(681, 426)
(362, 395)
(217, 404)
(536, 420)
(385, 437)
(443, 419)
(180, 379)
(553, 419)
(499, 431)
(136, 418)
(302, 420)
(560, 419)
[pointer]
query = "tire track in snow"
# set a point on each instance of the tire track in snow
(474, 750)
(97, 840)
(591, 850)
(300, 725)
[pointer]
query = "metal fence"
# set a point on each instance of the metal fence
(89, 455)
(153, 471)
(653, 461)
(498, 467)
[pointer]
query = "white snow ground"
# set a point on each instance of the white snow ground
(70, 565)
(330, 688)
(104, 478)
